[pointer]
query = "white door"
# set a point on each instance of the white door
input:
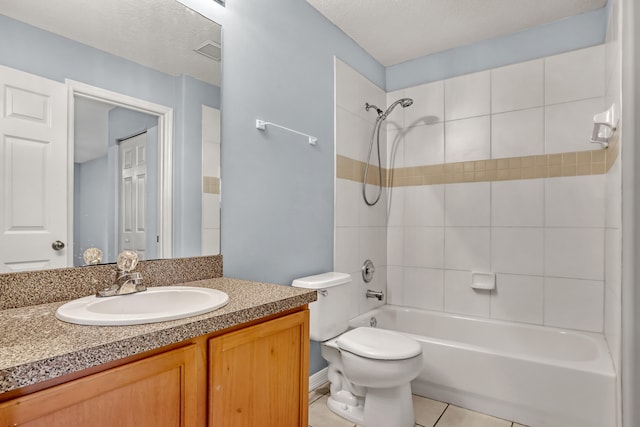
(33, 172)
(133, 191)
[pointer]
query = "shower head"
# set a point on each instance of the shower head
(405, 102)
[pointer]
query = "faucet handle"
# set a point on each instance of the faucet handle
(92, 256)
(127, 260)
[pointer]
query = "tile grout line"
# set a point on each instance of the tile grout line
(446, 408)
(441, 415)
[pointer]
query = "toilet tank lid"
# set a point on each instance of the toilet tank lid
(320, 281)
(379, 344)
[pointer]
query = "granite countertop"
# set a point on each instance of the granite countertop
(35, 346)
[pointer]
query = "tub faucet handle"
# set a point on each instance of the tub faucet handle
(367, 271)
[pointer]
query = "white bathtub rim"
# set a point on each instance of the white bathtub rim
(602, 365)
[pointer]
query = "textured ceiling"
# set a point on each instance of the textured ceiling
(160, 34)
(394, 31)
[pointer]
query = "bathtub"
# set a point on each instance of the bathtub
(537, 376)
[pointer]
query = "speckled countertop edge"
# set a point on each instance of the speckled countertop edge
(35, 346)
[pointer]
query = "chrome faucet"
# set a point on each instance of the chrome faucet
(379, 295)
(126, 282)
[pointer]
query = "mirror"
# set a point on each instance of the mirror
(147, 69)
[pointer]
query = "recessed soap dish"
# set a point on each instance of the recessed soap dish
(483, 281)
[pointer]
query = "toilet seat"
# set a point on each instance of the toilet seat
(379, 344)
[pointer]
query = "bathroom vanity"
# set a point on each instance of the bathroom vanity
(244, 364)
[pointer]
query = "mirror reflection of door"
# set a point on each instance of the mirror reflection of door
(133, 194)
(98, 219)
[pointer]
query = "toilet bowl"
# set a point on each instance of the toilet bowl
(370, 372)
(370, 369)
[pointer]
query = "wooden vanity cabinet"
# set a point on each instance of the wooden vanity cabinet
(159, 390)
(259, 376)
(252, 376)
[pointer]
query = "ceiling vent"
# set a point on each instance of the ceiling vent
(210, 49)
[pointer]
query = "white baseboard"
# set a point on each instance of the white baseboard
(318, 379)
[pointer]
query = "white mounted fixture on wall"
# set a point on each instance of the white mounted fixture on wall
(483, 281)
(262, 125)
(604, 125)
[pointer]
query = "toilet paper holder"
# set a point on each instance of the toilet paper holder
(604, 125)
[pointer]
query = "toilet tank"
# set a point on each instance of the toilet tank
(329, 315)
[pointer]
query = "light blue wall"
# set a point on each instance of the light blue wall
(584, 30)
(45, 54)
(91, 208)
(277, 190)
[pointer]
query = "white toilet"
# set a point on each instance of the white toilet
(370, 369)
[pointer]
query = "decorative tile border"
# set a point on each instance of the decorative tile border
(211, 185)
(595, 162)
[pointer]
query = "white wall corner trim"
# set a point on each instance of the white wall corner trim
(318, 379)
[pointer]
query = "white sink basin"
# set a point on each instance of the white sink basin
(156, 304)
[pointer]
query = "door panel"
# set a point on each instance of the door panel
(33, 178)
(133, 190)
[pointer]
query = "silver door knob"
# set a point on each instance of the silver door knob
(57, 245)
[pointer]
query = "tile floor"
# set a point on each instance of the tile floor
(428, 413)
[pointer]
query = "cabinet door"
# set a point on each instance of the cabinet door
(157, 391)
(260, 374)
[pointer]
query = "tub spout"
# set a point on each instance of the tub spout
(379, 295)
